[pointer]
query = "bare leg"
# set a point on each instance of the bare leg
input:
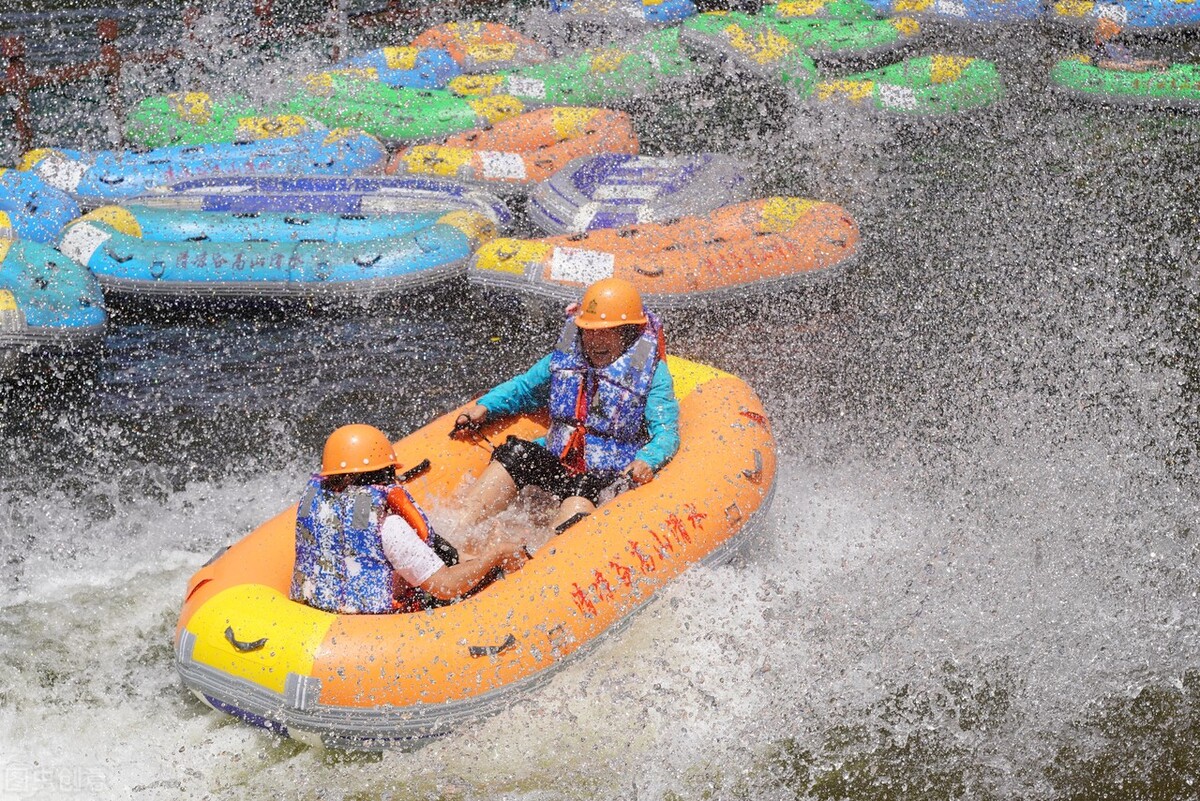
(572, 506)
(532, 535)
(494, 490)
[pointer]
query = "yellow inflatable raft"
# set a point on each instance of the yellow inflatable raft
(366, 681)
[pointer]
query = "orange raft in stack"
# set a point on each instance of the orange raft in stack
(365, 681)
(741, 248)
(521, 151)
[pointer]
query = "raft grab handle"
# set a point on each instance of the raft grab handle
(244, 647)
(755, 473)
(117, 257)
(414, 471)
(489, 650)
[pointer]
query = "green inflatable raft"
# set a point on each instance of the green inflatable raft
(1175, 86)
(822, 9)
(920, 86)
(390, 113)
(751, 44)
(742, 36)
(595, 78)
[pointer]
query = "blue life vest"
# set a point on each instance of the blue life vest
(408, 597)
(340, 564)
(614, 426)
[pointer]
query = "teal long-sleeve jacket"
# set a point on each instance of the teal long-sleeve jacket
(530, 391)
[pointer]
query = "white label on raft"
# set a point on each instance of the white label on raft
(502, 166)
(950, 8)
(525, 87)
(897, 97)
(626, 191)
(81, 241)
(61, 172)
(224, 189)
(580, 266)
(1112, 11)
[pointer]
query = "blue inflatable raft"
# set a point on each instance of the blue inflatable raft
(113, 245)
(415, 67)
(45, 298)
(280, 228)
(330, 195)
(648, 12)
(1140, 14)
(618, 190)
(32, 209)
(103, 177)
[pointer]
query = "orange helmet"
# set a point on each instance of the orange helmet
(356, 448)
(610, 302)
(1106, 29)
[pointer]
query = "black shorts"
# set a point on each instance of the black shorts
(531, 464)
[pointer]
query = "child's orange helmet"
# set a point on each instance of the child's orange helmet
(356, 448)
(610, 302)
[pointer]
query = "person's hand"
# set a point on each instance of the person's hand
(512, 555)
(639, 472)
(470, 419)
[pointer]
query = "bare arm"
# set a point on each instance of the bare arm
(456, 581)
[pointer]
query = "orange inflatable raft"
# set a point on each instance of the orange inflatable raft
(364, 681)
(740, 248)
(520, 151)
(483, 46)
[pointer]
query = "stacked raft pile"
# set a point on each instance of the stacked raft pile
(485, 105)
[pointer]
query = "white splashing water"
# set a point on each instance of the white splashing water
(854, 588)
